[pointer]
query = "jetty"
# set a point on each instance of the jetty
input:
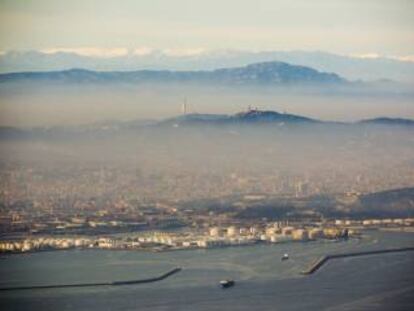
(114, 283)
(322, 260)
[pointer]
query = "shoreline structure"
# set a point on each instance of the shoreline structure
(324, 259)
(114, 283)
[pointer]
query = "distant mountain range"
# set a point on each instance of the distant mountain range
(267, 73)
(252, 117)
(351, 68)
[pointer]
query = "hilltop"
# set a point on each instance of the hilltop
(251, 118)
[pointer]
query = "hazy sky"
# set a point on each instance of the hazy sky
(343, 26)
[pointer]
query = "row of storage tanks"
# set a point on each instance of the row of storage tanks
(270, 233)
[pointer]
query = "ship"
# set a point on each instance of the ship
(227, 283)
(285, 257)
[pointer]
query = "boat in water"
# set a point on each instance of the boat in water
(285, 257)
(227, 283)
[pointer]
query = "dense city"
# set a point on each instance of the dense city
(106, 208)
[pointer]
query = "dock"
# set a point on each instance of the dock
(322, 260)
(114, 283)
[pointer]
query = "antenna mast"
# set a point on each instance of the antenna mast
(184, 106)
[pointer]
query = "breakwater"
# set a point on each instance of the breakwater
(322, 260)
(114, 283)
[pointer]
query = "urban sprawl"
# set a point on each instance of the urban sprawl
(53, 208)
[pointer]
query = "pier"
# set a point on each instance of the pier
(114, 283)
(322, 260)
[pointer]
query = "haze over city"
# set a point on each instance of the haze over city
(206, 155)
